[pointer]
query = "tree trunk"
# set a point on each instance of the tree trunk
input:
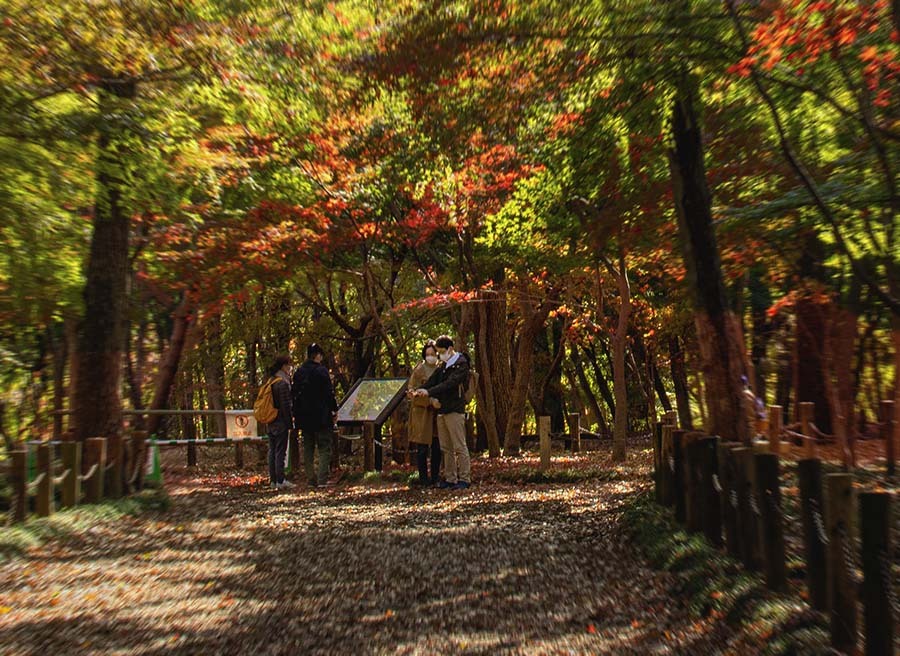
(168, 367)
(760, 301)
(533, 320)
(592, 402)
(496, 350)
(602, 383)
(718, 330)
(214, 371)
(680, 382)
(487, 402)
(60, 356)
(620, 341)
(810, 369)
(98, 402)
(840, 349)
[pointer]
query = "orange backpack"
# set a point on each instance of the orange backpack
(264, 409)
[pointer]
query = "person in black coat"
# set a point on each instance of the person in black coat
(314, 413)
(448, 385)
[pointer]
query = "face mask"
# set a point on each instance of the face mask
(431, 359)
(445, 356)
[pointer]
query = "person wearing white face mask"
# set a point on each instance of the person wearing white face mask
(448, 385)
(422, 430)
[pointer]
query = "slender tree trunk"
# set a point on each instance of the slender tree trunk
(98, 402)
(620, 341)
(168, 367)
(760, 301)
(810, 372)
(718, 330)
(214, 370)
(533, 320)
(602, 383)
(680, 382)
(592, 402)
(60, 357)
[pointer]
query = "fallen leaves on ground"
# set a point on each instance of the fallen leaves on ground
(236, 568)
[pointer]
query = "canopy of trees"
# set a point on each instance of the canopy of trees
(616, 207)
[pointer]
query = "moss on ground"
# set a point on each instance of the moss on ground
(717, 586)
(15, 539)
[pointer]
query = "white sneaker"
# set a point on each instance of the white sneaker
(285, 485)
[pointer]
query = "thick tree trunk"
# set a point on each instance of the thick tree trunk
(760, 301)
(98, 402)
(620, 341)
(840, 349)
(496, 351)
(487, 388)
(718, 330)
(680, 382)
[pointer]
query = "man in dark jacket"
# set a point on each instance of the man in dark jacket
(448, 385)
(283, 423)
(314, 413)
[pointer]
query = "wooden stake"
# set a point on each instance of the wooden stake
(807, 412)
(772, 523)
(814, 532)
(94, 454)
(544, 433)
(114, 457)
(44, 498)
(575, 431)
(877, 556)
(747, 519)
(678, 483)
(775, 427)
(710, 508)
(369, 446)
(71, 487)
(728, 499)
(19, 479)
(887, 434)
(842, 591)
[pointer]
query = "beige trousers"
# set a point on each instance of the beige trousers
(452, 436)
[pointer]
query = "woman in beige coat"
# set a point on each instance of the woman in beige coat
(422, 415)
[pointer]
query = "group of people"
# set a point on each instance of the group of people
(437, 393)
(304, 401)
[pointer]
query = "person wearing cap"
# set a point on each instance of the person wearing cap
(315, 410)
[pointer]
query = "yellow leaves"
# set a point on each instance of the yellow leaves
(388, 614)
(5, 609)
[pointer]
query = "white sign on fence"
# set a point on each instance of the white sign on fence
(240, 423)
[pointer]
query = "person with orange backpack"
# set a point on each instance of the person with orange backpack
(281, 423)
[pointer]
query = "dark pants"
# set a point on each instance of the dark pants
(278, 442)
(312, 440)
(422, 460)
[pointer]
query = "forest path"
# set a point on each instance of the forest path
(235, 568)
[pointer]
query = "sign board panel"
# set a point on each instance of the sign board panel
(240, 424)
(371, 400)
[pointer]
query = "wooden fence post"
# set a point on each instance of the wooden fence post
(192, 448)
(575, 431)
(18, 470)
(137, 458)
(728, 499)
(114, 469)
(693, 503)
(842, 591)
(678, 483)
(71, 487)
(807, 412)
(44, 499)
(775, 417)
(710, 508)
(239, 454)
(94, 455)
(747, 521)
(877, 596)
(657, 460)
(887, 434)
(369, 446)
(544, 434)
(772, 522)
(815, 537)
(668, 465)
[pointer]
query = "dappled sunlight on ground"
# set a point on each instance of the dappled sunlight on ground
(237, 568)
